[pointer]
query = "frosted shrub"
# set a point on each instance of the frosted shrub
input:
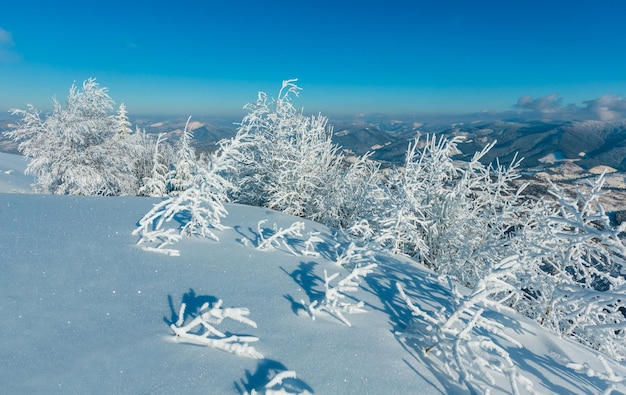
(279, 237)
(331, 302)
(452, 216)
(575, 269)
(292, 164)
(461, 219)
(82, 148)
(199, 208)
(356, 197)
(457, 337)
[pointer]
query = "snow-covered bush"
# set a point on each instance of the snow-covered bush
(575, 269)
(199, 208)
(356, 196)
(83, 148)
(293, 165)
(457, 337)
(452, 216)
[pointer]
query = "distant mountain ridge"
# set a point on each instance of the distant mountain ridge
(588, 143)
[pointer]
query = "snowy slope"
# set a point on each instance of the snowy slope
(12, 178)
(85, 310)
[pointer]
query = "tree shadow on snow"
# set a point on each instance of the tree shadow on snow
(266, 370)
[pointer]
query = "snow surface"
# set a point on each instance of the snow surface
(12, 178)
(85, 310)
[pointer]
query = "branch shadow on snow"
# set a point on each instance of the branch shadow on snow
(181, 218)
(193, 302)
(306, 278)
(266, 370)
(417, 281)
(430, 293)
(246, 239)
(382, 285)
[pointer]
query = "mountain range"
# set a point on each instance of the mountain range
(540, 143)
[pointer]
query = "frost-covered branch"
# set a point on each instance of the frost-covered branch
(451, 336)
(201, 330)
(612, 379)
(279, 385)
(331, 302)
(279, 236)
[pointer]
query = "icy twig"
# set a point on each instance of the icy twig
(200, 330)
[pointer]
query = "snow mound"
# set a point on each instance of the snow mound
(86, 310)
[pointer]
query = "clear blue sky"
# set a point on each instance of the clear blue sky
(394, 56)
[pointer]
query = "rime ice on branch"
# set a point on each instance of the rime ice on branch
(331, 303)
(200, 329)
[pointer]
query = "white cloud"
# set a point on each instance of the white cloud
(606, 108)
(545, 104)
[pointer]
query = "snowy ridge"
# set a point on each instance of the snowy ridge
(83, 306)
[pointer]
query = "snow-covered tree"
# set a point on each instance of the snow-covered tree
(79, 149)
(185, 166)
(123, 124)
(155, 183)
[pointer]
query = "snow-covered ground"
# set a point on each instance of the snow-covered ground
(86, 310)
(12, 178)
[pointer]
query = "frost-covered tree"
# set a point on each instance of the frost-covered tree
(155, 183)
(80, 149)
(123, 124)
(185, 166)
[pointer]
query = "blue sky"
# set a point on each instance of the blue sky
(211, 57)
